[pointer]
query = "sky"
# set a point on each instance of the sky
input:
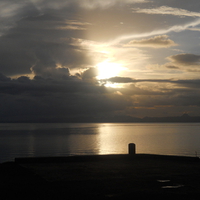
(97, 59)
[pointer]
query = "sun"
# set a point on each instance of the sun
(108, 69)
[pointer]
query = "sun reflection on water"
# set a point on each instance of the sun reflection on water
(111, 140)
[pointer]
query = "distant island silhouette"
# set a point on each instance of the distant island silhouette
(184, 118)
(110, 119)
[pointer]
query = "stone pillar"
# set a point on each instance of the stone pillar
(131, 149)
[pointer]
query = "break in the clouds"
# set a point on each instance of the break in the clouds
(73, 59)
(161, 41)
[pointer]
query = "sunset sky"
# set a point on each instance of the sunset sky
(94, 58)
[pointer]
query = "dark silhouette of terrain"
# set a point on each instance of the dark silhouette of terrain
(184, 118)
(124, 118)
(114, 177)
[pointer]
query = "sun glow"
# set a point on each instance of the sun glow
(107, 70)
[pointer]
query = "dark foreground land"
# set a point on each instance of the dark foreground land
(101, 177)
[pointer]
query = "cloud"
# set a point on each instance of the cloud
(36, 45)
(10, 8)
(53, 99)
(185, 59)
(165, 10)
(12, 11)
(45, 99)
(87, 4)
(162, 97)
(193, 83)
(42, 36)
(92, 4)
(60, 42)
(120, 80)
(130, 80)
(4, 78)
(160, 41)
(161, 31)
(90, 73)
(194, 29)
(171, 66)
(74, 25)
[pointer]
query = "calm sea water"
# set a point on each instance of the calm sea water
(64, 139)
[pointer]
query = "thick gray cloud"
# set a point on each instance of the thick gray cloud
(50, 99)
(37, 44)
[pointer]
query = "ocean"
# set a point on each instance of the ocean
(68, 139)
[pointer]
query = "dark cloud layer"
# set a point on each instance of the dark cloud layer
(50, 99)
(45, 99)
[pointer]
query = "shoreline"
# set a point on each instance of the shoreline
(84, 158)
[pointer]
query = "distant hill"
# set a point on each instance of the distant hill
(184, 118)
(123, 119)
